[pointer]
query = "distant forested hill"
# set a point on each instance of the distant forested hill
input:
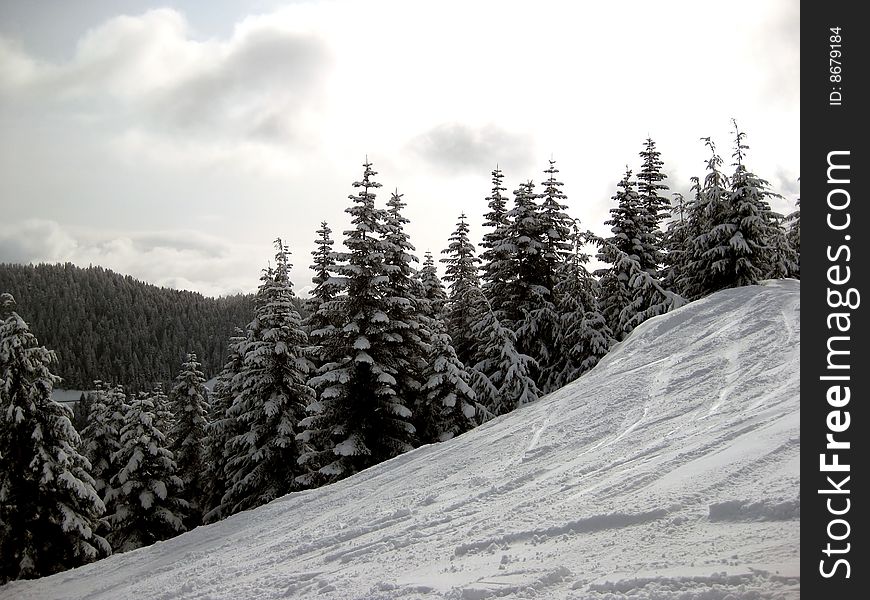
(112, 327)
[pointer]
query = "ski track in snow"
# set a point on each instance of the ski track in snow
(670, 471)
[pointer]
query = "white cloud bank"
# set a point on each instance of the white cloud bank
(149, 126)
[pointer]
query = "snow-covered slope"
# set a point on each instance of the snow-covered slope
(668, 472)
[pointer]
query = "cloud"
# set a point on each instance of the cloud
(457, 147)
(263, 84)
(34, 240)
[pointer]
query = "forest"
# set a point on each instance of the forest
(387, 354)
(104, 325)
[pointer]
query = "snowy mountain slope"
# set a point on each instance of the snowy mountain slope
(670, 471)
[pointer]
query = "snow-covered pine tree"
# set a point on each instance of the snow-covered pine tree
(189, 402)
(358, 419)
(49, 509)
(145, 495)
(783, 258)
(793, 225)
(164, 419)
(326, 288)
(541, 324)
(649, 187)
(463, 282)
(649, 298)
(263, 461)
(583, 336)
(557, 225)
(82, 412)
(502, 379)
(449, 405)
(407, 307)
(523, 267)
(100, 437)
(221, 428)
(629, 223)
(433, 288)
(705, 211)
(498, 249)
(675, 243)
(737, 228)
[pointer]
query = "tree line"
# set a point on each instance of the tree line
(104, 325)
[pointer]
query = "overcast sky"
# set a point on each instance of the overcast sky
(174, 141)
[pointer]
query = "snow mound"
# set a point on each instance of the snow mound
(670, 471)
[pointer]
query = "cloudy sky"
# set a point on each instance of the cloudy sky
(174, 141)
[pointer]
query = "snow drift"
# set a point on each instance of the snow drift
(670, 471)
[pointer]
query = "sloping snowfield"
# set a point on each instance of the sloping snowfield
(668, 472)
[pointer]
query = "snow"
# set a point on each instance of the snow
(669, 471)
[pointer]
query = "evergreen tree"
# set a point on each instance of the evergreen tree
(627, 223)
(557, 225)
(49, 509)
(82, 411)
(221, 428)
(502, 380)
(190, 407)
(102, 435)
(783, 258)
(164, 419)
(264, 456)
(541, 325)
(463, 284)
(449, 405)
(524, 267)
(793, 225)
(406, 304)
(583, 336)
(358, 419)
(737, 228)
(145, 495)
(649, 186)
(675, 243)
(317, 325)
(433, 288)
(497, 246)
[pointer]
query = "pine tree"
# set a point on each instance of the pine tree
(793, 225)
(540, 328)
(433, 288)
(102, 435)
(317, 325)
(783, 258)
(358, 419)
(497, 246)
(737, 227)
(524, 267)
(449, 405)
(407, 307)
(164, 419)
(502, 380)
(49, 509)
(264, 456)
(463, 283)
(649, 186)
(82, 411)
(190, 406)
(557, 226)
(145, 494)
(221, 428)
(583, 336)
(627, 225)
(675, 243)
